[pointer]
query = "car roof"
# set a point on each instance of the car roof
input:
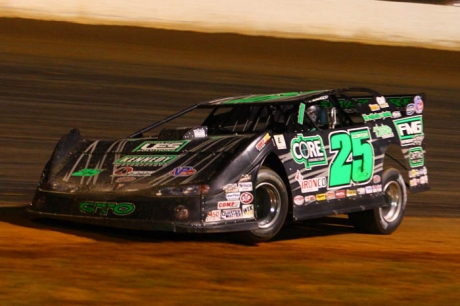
(268, 99)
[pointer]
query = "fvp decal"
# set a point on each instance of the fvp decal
(410, 130)
(161, 146)
(353, 161)
(183, 171)
(308, 151)
(102, 208)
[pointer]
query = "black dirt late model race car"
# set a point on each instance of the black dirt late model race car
(253, 163)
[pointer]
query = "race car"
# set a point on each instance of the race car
(247, 165)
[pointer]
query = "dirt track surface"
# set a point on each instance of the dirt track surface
(314, 263)
(111, 81)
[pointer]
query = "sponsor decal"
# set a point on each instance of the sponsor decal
(228, 204)
(103, 208)
(308, 151)
(369, 189)
(246, 198)
(413, 182)
(424, 179)
(280, 142)
(382, 102)
(374, 107)
(418, 104)
(310, 199)
(233, 196)
(183, 171)
(416, 158)
(376, 116)
(383, 131)
(122, 171)
(228, 214)
(130, 172)
(309, 185)
(417, 172)
(396, 114)
(376, 179)
(340, 194)
(213, 216)
(410, 130)
(248, 211)
(245, 178)
(87, 172)
(161, 146)
(145, 160)
(244, 186)
(299, 200)
(376, 188)
(199, 132)
(410, 109)
(231, 188)
(125, 179)
(361, 190)
(330, 195)
(351, 193)
(320, 197)
(261, 144)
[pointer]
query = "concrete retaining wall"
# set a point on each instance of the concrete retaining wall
(369, 21)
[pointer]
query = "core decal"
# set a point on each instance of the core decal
(308, 151)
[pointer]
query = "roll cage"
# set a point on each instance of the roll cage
(279, 112)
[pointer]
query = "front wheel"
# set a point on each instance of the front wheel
(384, 220)
(270, 206)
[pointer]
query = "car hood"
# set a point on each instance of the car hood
(140, 164)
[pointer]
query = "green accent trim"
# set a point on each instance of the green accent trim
(301, 115)
(265, 98)
(87, 172)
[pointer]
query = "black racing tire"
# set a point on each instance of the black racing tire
(384, 220)
(270, 207)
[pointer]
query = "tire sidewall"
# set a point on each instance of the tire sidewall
(385, 227)
(269, 176)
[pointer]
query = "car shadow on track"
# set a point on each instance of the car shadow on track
(306, 229)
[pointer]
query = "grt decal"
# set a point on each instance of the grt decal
(308, 151)
(410, 130)
(102, 208)
(354, 158)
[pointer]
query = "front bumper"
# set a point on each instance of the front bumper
(122, 210)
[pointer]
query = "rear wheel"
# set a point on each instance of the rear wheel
(270, 206)
(384, 220)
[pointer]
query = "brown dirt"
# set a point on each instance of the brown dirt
(321, 262)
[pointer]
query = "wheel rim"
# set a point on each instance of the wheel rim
(268, 203)
(393, 197)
